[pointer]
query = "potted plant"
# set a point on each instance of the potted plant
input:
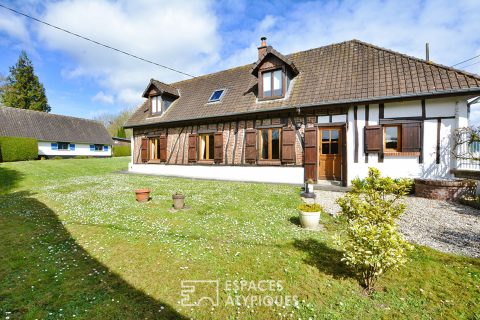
(142, 195)
(309, 215)
(178, 201)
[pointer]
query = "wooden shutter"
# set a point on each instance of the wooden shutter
(373, 139)
(251, 146)
(411, 137)
(218, 141)
(192, 147)
(288, 145)
(143, 150)
(311, 153)
(163, 148)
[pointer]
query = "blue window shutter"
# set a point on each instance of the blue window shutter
(92, 147)
(54, 146)
(105, 148)
(72, 147)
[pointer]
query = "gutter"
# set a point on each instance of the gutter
(339, 103)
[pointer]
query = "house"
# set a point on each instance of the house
(57, 135)
(323, 114)
(121, 141)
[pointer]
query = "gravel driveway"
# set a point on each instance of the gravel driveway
(445, 226)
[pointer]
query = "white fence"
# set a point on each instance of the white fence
(468, 150)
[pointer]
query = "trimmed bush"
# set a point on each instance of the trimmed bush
(18, 149)
(307, 207)
(81, 157)
(121, 151)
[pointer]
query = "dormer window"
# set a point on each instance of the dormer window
(160, 104)
(272, 84)
(216, 95)
(156, 103)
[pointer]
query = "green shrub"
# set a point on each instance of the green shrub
(57, 158)
(307, 207)
(18, 149)
(470, 201)
(81, 157)
(121, 151)
(373, 243)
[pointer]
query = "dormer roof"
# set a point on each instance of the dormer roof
(269, 51)
(161, 88)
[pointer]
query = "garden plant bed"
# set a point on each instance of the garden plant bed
(76, 244)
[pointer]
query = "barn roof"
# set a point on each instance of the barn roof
(44, 126)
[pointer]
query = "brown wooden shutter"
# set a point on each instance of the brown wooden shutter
(192, 147)
(251, 146)
(373, 139)
(288, 145)
(411, 137)
(311, 152)
(144, 150)
(163, 148)
(218, 141)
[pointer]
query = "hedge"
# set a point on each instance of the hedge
(18, 149)
(121, 151)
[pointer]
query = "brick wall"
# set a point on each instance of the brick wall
(444, 189)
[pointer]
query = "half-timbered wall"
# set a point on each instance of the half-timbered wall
(434, 120)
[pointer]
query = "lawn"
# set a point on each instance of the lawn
(75, 244)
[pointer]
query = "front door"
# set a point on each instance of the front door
(330, 153)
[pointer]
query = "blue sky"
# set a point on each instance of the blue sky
(199, 37)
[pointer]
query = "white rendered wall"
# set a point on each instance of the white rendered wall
(291, 175)
(81, 149)
(409, 166)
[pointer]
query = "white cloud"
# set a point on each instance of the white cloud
(103, 98)
(451, 28)
(14, 26)
(177, 34)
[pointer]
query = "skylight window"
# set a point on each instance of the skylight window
(216, 95)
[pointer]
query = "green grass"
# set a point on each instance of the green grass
(75, 244)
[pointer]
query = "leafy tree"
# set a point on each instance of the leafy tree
(121, 133)
(23, 89)
(114, 123)
(373, 244)
(3, 81)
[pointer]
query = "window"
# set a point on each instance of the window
(272, 84)
(207, 147)
(392, 138)
(99, 147)
(216, 95)
(330, 141)
(62, 145)
(154, 148)
(270, 144)
(156, 103)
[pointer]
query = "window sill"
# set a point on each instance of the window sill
(401, 154)
(205, 161)
(269, 162)
(270, 98)
(153, 161)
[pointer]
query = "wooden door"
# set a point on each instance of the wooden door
(330, 153)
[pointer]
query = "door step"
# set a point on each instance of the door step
(325, 185)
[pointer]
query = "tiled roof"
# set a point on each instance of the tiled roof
(161, 87)
(44, 126)
(347, 72)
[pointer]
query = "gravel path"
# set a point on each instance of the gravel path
(445, 226)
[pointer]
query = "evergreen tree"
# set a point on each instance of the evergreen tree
(23, 89)
(121, 133)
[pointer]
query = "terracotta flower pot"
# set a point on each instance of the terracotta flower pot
(142, 195)
(178, 201)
